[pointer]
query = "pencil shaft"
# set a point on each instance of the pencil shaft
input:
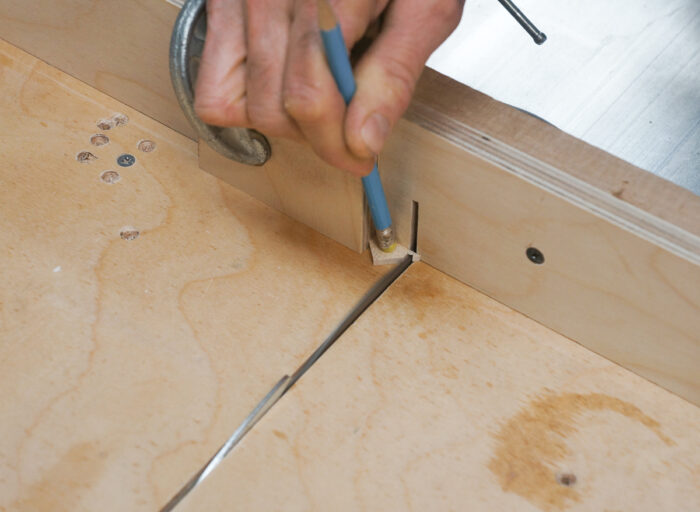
(341, 70)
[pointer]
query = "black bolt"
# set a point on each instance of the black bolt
(534, 255)
(126, 160)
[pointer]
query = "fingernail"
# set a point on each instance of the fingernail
(374, 132)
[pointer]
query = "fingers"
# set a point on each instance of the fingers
(354, 17)
(387, 73)
(311, 95)
(264, 67)
(219, 94)
(268, 26)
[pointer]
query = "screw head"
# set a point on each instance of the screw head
(534, 255)
(126, 160)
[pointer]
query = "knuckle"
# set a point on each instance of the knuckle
(303, 98)
(264, 107)
(263, 72)
(302, 95)
(218, 111)
(268, 119)
(402, 81)
(447, 10)
(444, 14)
(304, 102)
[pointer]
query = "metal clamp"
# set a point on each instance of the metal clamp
(186, 45)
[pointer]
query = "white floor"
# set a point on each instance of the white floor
(623, 75)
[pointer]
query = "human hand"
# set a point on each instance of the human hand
(264, 67)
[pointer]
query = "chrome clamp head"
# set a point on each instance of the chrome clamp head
(186, 45)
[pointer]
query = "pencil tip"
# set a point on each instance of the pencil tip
(326, 18)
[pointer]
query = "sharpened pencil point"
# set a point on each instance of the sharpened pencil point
(326, 17)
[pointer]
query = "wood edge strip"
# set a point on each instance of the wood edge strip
(521, 132)
(559, 183)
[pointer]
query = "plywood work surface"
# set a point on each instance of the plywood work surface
(140, 321)
(439, 398)
(120, 48)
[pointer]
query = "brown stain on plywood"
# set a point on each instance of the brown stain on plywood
(531, 443)
(61, 486)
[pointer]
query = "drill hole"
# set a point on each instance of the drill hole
(534, 255)
(99, 139)
(85, 156)
(105, 124)
(146, 146)
(129, 233)
(120, 119)
(110, 177)
(566, 479)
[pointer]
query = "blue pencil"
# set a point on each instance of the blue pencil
(339, 63)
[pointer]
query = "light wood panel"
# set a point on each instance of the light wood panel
(121, 48)
(454, 111)
(618, 280)
(127, 363)
(439, 398)
(295, 181)
(622, 245)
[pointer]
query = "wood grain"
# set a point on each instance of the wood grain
(120, 48)
(298, 183)
(616, 279)
(440, 398)
(456, 107)
(126, 363)
(622, 245)
(131, 65)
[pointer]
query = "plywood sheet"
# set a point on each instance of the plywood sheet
(440, 398)
(120, 48)
(619, 281)
(140, 320)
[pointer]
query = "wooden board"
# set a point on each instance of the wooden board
(298, 183)
(122, 50)
(126, 363)
(440, 398)
(622, 247)
(619, 281)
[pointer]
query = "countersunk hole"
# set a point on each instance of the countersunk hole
(566, 479)
(85, 156)
(129, 233)
(119, 119)
(110, 177)
(146, 146)
(534, 255)
(99, 139)
(126, 160)
(105, 124)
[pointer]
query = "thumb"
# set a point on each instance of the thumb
(387, 74)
